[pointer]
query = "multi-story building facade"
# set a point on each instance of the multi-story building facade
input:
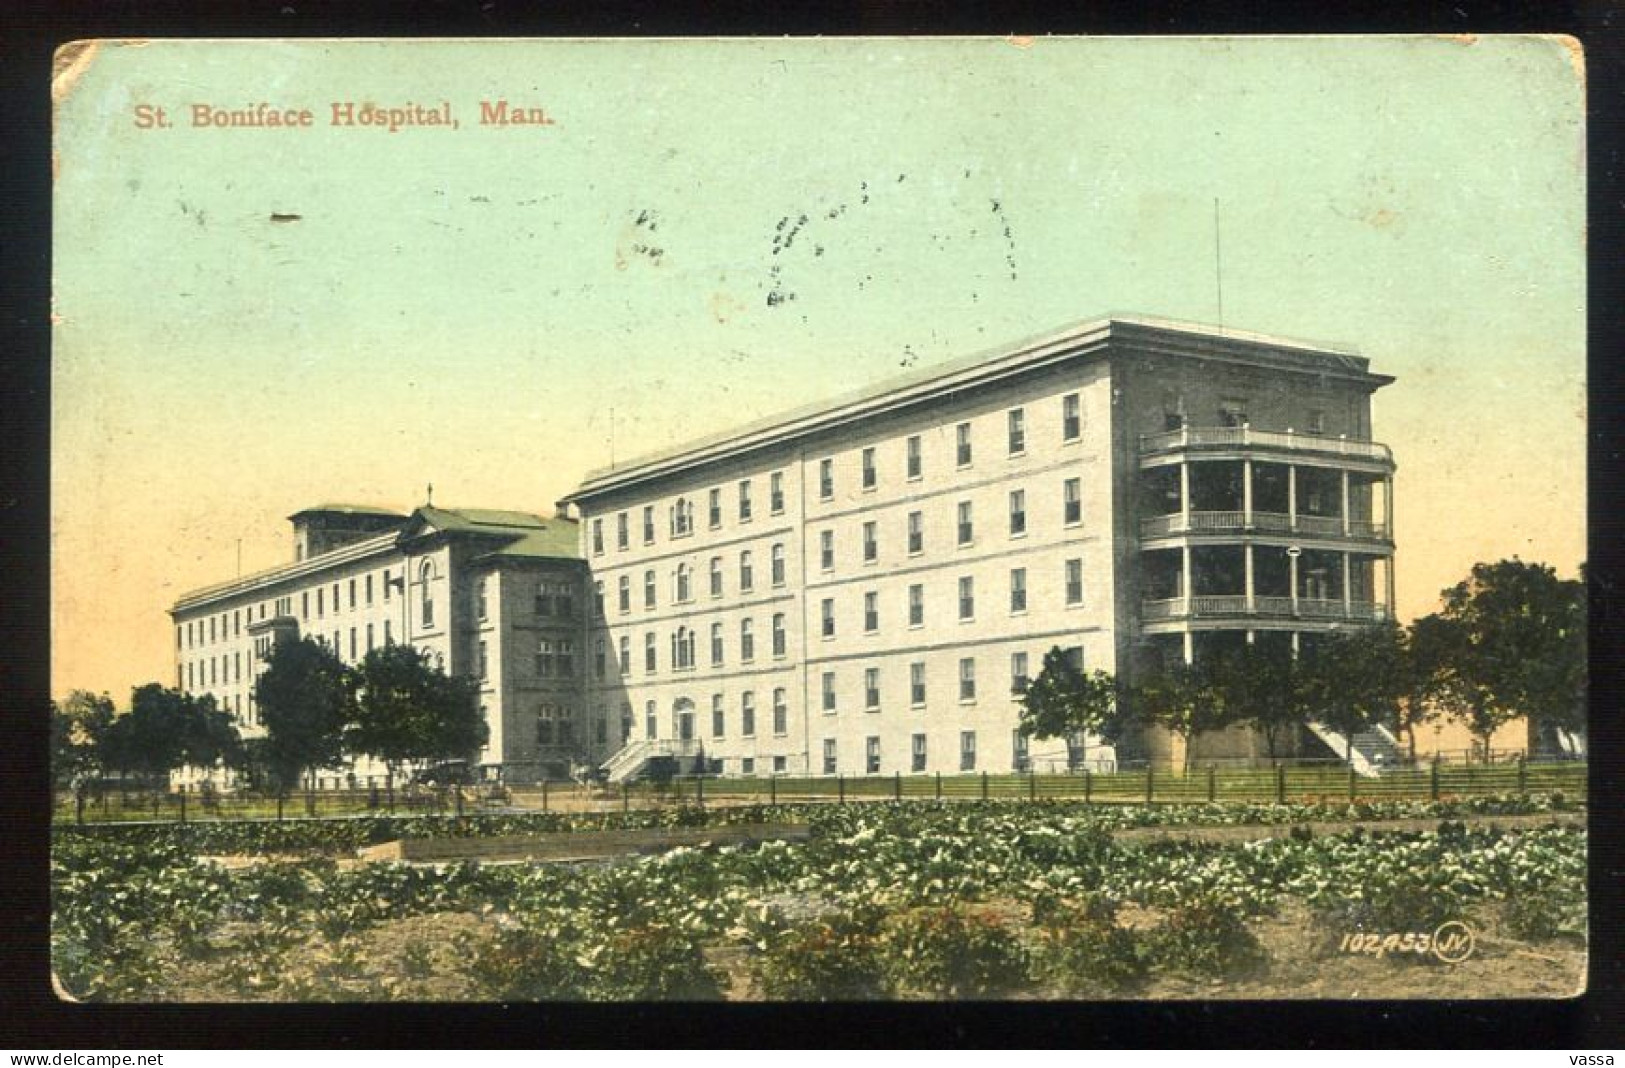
(500, 596)
(864, 586)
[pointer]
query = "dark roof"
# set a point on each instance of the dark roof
(348, 509)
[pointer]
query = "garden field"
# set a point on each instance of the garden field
(1481, 897)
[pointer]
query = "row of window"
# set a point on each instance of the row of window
(685, 727)
(681, 512)
(228, 625)
(917, 755)
(553, 600)
(682, 576)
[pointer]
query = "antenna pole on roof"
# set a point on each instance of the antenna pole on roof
(1218, 262)
(430, 499)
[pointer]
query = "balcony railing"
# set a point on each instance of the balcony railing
(1242, 436)
(1227, 605)
(1157, 526)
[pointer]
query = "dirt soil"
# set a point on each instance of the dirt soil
(1249, 832)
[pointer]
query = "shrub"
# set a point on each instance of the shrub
(1207, 938)
(953, 952)
(528, 964)
(1082, 951)
(652, 962)
(837, 958)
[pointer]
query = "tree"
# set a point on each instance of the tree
(306, 700)
(1263, 687)
(1064, 702)
(1429, 645)
(165, 729)
(1182, 699)
(1519, 645)
(1355, 679)
(209, 737)
(409, 710)
(78, 725)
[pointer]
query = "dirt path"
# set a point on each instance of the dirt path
(1252, 832)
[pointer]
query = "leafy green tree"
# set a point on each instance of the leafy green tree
(1261, 686)
(77, 727)
(148, 740)
(209, 736)
(1520, 646)
(1355, 679)
(1429, 644)
(1064, 702)
(1183, 699)
(409, 710)
(306, 700)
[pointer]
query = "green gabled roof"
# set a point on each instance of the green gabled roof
(532, 537)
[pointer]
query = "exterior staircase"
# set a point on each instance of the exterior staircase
(1374, 749)
(633, 757)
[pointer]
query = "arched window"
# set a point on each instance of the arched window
(426, 593)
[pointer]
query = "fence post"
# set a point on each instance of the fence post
(1352, 784)
(699, 791)
(1433, 779)
(626, 797)
(772, 789)
(1088, 787)
(1280, 784)
(896, 786)
(939, 786)
(1032, 786)
(279, 805)
(984, 786)
(1150, 778)
(183, 802)
(544, 793)
(840, 789)
(459, 793)
(1212, 785)
(1523, 780)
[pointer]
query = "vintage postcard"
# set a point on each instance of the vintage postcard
(799, 520)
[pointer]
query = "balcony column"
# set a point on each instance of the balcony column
(1190, 648)
(1388, 505)
(1348, 570)
(1388, 577)
(1247, 494)
(1185, 576)
(1345, 504)
(1184, 495)
(1247, 560)
(1292, 577)
(1292, 501)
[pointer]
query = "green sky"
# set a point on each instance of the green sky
(465, 307)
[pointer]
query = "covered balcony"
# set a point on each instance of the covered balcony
(1238, 496)
(1264, 583)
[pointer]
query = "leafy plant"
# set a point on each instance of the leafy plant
(953, 952)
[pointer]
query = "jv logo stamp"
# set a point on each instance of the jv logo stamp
(1451, 942)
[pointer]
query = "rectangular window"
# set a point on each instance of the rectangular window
(916, 683)
(389, 638)
(871, 543)
(747, 714)
(600, 658)
(967, 750)
(713, 509)
(967, 598)
(716, 576)
(872, 756)
(1071, 418)
(718, 716)
(649, 589)
(747, 765)
(1072, 495)
(829, 691)
(780, 764)
(321, 610)
(747, 640)
(484, 662)
(869, 475)
(1317, 421)
(827, 617)
(480, 598)
(967, 530)
(1074, 582)
(649, 524)
(625, 655)
(567, 658)
(775, 492)
(1020, 759)
(304, 604)
(777, 565)
(716, 645)
(352, 595)
(544, 659)
(1018, 589)
(651, 723)
(829, 756)
(598, 537)
(913, 451)
(747, 572)
(826, 550)
(1018, 431)
(369, 589)
(781, 712)
(1018, 513)
(871, 612)
(916, 533)
(917, 760)
(744, 501)
(624, 594)
(780, 643)
(826, 480)
(1018, 673)
(651, 653)
(871, 689)
(623, 536)
(967, 679)
(369, 638)
(916, 606)
(353, 653)
(962, 444)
